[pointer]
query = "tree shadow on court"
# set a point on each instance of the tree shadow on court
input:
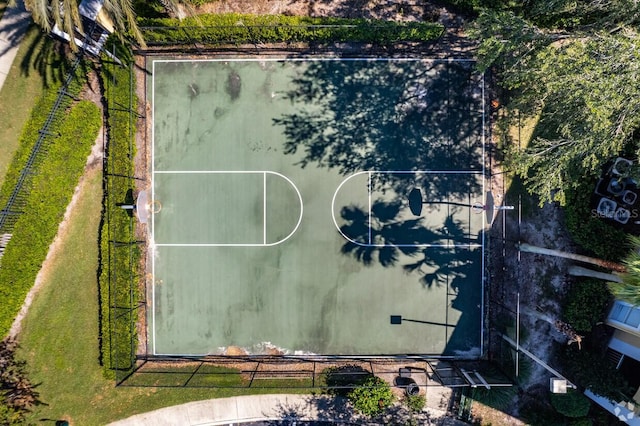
(386, 238)
(382, 236)
(464, 340)
(388, 116)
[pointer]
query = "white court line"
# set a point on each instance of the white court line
(435, 60)
(370, 203)
(153, 188)
(254, 172)
(264, 209)
(370, 173)
(484, 218)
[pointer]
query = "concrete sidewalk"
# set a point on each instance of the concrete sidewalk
(13, 27)
(239, 409)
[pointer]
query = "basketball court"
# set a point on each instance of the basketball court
(332, 207)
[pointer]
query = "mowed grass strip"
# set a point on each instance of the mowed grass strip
(21, 90)
(59, 339)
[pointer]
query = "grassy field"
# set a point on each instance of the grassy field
(22, 88)
(60, 335)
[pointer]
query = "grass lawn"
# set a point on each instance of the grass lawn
(21, 90)
(60, 335)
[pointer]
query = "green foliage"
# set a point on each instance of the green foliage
(629, 289)
(17, 395)
(343, 379)
(240, 29)
(583, 223)
(498, 397)
(594, 372)
(582, 89)
(415, 403)
(571, 404)
(587, 302)
(119, 269)
(201, 2)
(506, 39)
(538, 411)
(575, 15)
(51, 188)
(372, 397)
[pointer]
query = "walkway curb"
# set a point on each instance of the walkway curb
(230, 410)
(13, 26)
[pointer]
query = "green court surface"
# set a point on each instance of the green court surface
(282, 219)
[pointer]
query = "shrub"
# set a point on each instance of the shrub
(343, 379)
(610, 243)
(415, 403)
(587, 302)
(242, 29)
(571, 404)
(500, 397)
(119, 256)
(594, 372)
(372, 397)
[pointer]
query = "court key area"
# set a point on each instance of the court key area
(323, 206)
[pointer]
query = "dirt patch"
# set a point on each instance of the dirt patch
(527, 284)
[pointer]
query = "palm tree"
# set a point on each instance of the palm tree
(65, 14)
(577, 257)
(629, 289)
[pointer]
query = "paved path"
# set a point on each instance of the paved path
(13, 26)
(250, 408)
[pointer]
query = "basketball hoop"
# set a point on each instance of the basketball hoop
(155, 206)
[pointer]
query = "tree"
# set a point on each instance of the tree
(629, 289)
(573, 256)
(589, 99)
(65, 14)
(372, 397)
(581, 88)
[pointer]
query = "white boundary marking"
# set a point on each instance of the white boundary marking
(484, 224)
(264, 214)
(448, 60)
(151, 237)
(406, 172)
(264, 208)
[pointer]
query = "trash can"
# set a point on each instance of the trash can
(412, 389)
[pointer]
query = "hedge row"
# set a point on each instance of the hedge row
(240, 29)
(51, 190)
(119, 278)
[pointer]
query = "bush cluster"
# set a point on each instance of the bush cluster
(240, 29)
(594, 372)
(587, 302)
(119, 255)
(571, 404)
(372, 397)
(584, 226)
(50, 191)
